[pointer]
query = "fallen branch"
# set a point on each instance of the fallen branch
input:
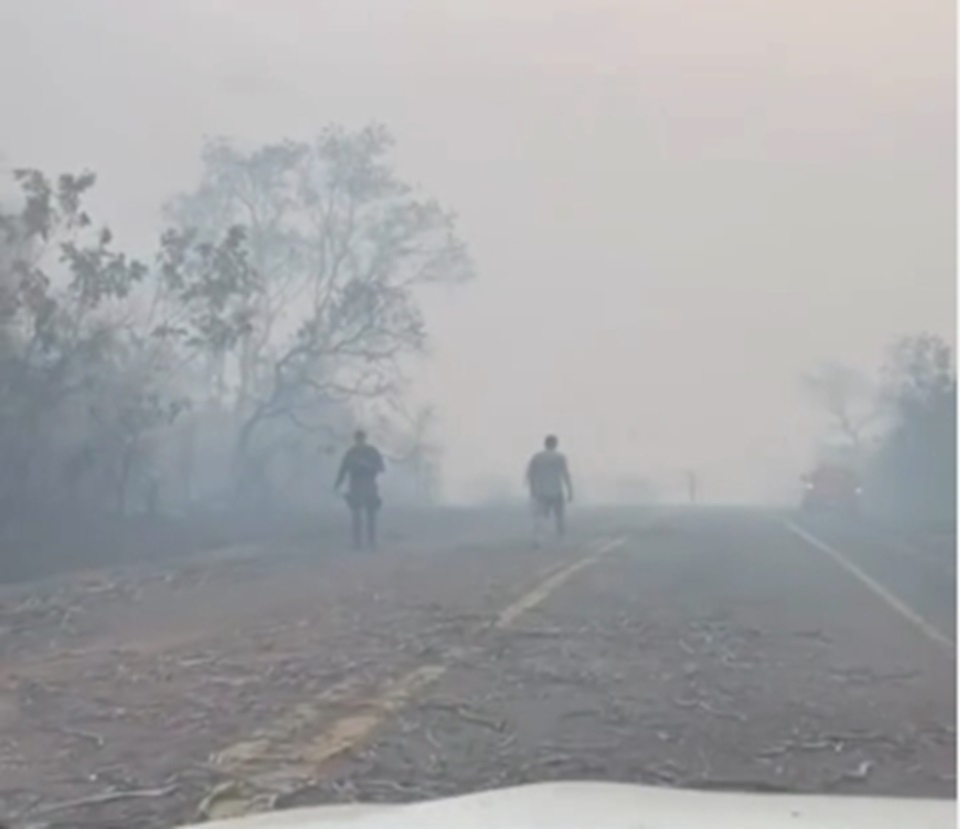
(104, 797)
(858, 775)
(706, 706)
(507, 742)
(403, 789)
(84, 735)
(787, 747)
(464, 713)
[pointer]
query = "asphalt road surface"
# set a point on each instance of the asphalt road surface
(726, 649)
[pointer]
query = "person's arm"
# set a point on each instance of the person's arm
(528, 475)
(381, 467)
(567, 480)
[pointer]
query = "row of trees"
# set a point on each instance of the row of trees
(899, 428)
(280, 305)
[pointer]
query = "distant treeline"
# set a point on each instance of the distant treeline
(900, 427)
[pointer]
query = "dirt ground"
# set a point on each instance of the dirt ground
(713, 650)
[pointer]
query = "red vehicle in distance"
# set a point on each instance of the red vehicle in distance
(832, 488)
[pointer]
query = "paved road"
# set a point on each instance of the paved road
(920, 569)
(716, 649)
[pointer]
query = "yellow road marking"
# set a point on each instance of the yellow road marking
(874, 586)
(283, 728)
(543, 590)
(287, 765)
(352, 730)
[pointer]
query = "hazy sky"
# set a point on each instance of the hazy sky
(676, 207)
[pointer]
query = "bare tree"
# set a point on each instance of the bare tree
(340, 248)
(849, 400)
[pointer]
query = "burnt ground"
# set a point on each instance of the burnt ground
(708, 649)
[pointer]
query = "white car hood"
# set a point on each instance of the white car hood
(614, 806)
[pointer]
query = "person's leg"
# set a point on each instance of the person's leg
(356, 515)
(559, 517)
(371, 526)
(539, 516)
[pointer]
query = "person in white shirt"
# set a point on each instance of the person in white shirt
(548, 479)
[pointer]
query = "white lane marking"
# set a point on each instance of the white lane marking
(873, 585)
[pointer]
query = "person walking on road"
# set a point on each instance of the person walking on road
(550, 485)
(362, 464)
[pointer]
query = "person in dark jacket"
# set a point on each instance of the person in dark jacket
(361, 466)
